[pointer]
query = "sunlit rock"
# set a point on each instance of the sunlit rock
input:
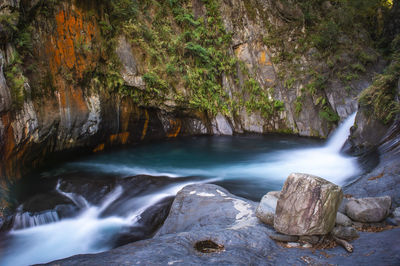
(307, 205)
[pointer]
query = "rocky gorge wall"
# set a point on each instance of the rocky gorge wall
(85, 76)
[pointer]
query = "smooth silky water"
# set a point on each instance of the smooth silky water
(247, 166)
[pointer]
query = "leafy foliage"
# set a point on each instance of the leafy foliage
(380, 98)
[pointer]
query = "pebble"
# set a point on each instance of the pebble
(293, 245)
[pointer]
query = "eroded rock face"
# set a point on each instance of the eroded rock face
(307, 205)
(368, 210)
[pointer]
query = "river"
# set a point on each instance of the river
(104, 200)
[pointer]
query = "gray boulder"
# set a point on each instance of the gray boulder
(368, 210)
(307, 205)
(345, 232)
(342, 219)
(266, 209)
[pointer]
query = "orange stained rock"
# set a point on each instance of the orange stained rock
(263, 58)
(125, 114)
(123, 137)
(100, 147)
(176, 128)
(73, 30)
(238, 50)
(113, 138)
(78, 101)
(70, 97)
(145, 126)
(12, 154)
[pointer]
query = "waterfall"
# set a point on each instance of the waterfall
(87, 233)
(78, 200)
(26, 219)
(327, 161)
(337, 139)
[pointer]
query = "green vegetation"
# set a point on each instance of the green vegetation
(298, 105)
(8, 23)
(260, 100)
(15, 80)
(19, 34)
(334, 36)
(180, 52)
(379, 100)
(184, 58)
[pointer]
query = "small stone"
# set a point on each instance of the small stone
(345, 232)
(283, 238)
(309, 239)
(342, 219)
(307, 245)
(266, 209)
(293, 245)
(368, 210)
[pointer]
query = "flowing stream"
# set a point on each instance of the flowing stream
(109, 205)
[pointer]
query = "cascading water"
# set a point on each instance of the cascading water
(87, 233)
(247, 166)
(26, 220)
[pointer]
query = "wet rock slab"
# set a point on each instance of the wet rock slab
(210, 213)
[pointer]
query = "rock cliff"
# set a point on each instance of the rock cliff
(88, 75)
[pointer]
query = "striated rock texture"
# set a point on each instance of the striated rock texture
(307, 205)
(368, 210)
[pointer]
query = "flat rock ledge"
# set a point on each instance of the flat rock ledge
(228, 232)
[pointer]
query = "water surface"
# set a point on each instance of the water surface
(109, 201)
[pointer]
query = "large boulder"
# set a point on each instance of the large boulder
(307, 205)
(368, 210)
(266, 209)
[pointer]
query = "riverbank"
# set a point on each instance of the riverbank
(209, 212)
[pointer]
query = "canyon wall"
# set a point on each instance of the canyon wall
(84, 76)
